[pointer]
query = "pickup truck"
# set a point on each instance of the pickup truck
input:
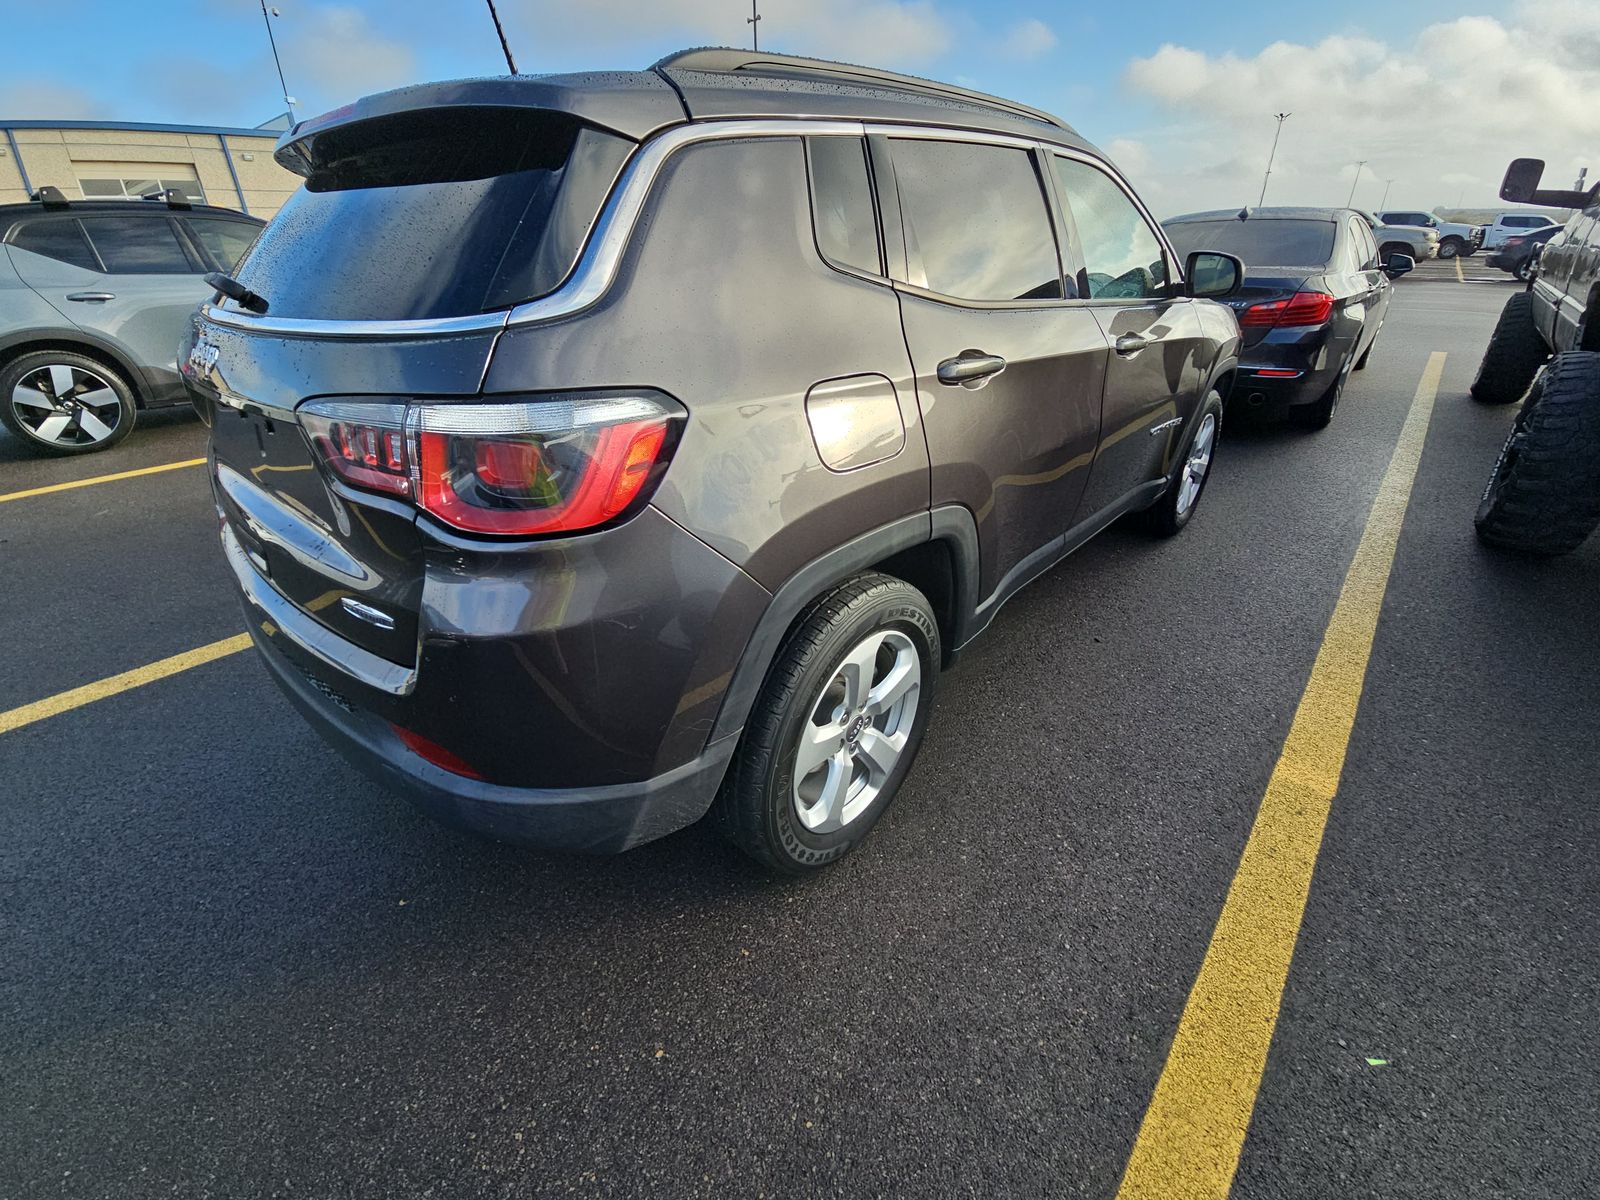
(1509, 225)
(1455, 240)
(1543, 497)
(1417, 241)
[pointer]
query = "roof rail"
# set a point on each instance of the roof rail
(724, 60)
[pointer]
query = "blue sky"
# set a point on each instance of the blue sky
(206, 62)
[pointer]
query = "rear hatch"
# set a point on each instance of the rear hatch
(387, 279)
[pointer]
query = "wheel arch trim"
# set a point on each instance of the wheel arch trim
(78, 341)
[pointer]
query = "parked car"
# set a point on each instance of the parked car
(1456, 240)
(1314, 298)
(1417, 242)
(1509, 225)
(1543, 496)
(751, 388)
(95, 296)
(1518, 255)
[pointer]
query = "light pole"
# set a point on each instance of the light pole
(1387, 184)
(1353, 183)
(273, 42)
(1282, 117)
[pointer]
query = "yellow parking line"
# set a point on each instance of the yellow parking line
(1461, 276)
(52, 706)
(78, 483)
(1188, 1146)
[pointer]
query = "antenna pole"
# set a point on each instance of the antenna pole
(505, 46)
(1282, 117)
(1353, 183)
(754, 21)
(273, 42)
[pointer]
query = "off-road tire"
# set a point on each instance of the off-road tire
(755, 808)
(1513, 357)
(1543, 497)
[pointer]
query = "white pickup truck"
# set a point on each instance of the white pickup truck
(1455, 240)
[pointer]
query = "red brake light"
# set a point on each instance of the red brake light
(1516, 241)
(364, 442)
(1303, 308)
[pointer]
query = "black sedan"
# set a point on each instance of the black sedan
(1520, 254)
(1313, 300)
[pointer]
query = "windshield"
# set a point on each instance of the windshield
(1259, 242)
(434, 215)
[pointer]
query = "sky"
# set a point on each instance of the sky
(1436, 96)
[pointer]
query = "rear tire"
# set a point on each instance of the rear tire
(1320, 414)
(1543, 496)
(1361, 363)
(830, 739)
(1513, 357)
(1524, 269)
(61, 403)
(1177, 505)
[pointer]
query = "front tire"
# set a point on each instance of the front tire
(1543, 496)
(60, 403)
(836, 727)
(1177, 505)
(1513, 357)
(1451, 247)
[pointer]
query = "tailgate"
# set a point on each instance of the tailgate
(350, 560)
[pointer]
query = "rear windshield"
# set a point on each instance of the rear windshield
(443, 213)
(1258, 242)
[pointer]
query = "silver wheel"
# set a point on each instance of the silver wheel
(1197, 464)
(1449, 249)
(856, 731)
(67, 406)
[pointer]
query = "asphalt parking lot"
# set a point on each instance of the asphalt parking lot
(235, 968)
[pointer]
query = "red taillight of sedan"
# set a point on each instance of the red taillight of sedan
(1303, 308)
(517, 467)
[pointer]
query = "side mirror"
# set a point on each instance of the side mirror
(1210, 276)
(1398, 265)
(1522, 180)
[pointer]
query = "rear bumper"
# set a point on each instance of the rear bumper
(1287, 368)
(596, 820)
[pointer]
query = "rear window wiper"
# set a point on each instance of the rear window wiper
(230, 287)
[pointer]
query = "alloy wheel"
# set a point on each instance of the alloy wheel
(856, 731)
(66, 405)
(1197, 464)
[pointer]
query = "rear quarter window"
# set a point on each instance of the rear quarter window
(842, 210)
(139, 245)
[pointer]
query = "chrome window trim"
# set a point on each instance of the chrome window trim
(601, 258)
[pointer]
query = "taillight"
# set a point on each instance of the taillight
(514, 467)
(364, 443)
(1303, 308)
(1515, 241)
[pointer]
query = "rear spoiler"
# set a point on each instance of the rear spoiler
(632, 104)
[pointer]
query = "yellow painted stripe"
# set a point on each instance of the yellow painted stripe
(1188, 1146)
(1461, 276)
(52, 706)
(78, 483)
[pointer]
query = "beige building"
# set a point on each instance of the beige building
(232, 168)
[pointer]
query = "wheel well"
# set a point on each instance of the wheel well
(928, 568)
(104, 357)
(1223, 383)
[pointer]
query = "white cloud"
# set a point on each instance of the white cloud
(38, 99)
(886, 32)
(1028, 39)
(1441, 117)
(336, 53)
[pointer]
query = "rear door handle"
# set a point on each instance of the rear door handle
(91, 296)
(1131, 343)
(970, 369)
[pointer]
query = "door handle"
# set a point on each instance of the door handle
(1131, 343)
(91, 296)
(970, 369)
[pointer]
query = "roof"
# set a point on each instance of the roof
(1277, 213)
(139, 127)
(705, 84)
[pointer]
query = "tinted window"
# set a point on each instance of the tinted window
(841, 203)
(60, 239)
(441, 213)
(138, 245)
(226, 241)
(1121, 253)
(1261, 242)
(1369, 247)
(975, 221)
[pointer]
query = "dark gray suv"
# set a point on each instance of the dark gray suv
(594, 451)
